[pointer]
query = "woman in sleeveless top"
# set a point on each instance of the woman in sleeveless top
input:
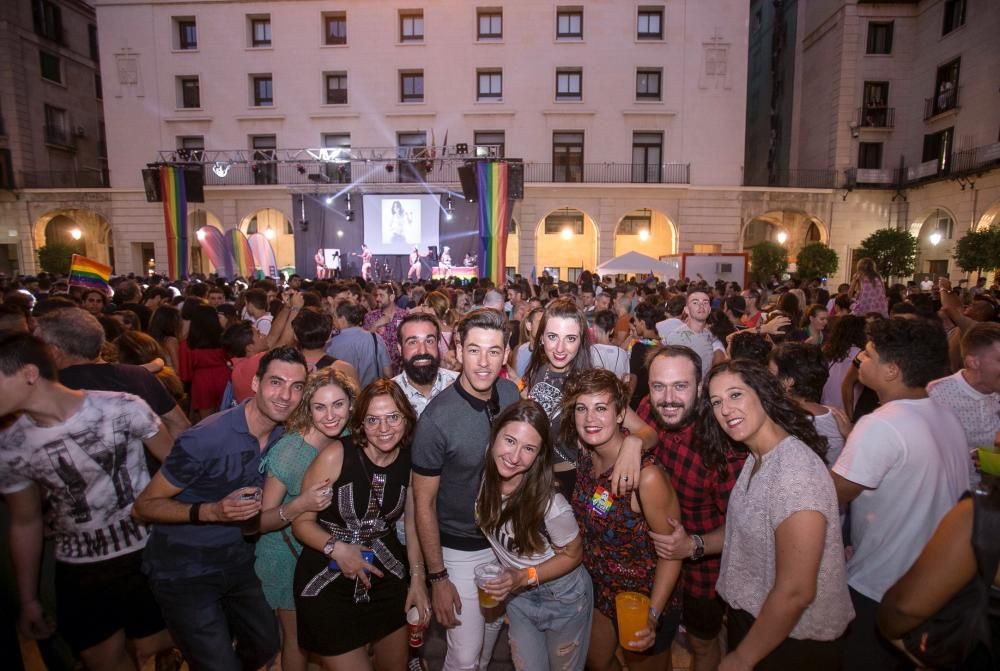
(343, 600)
(867, 289)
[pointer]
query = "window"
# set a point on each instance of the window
(410, 148)
(573, 273)
(336, 88)
(647, 155)
(411, 86)
(954, 15)
(187, 33)
(879, 38)
(945, 88)
(98, 87)
(633, 224)
(650, 24)
(56, 126)
(189, 92)
(567, 156)
(875, 110)
(6, 170)
(490, 86)
(51, 67)
(557, 222)
(569, 84)
(191, 147)
(489, 143)
(411, 26)
(265, 168)
(569, 23)
(95, 54)
(870, 156)
(937, 147)
(260, 31)
(47, 19)
(337, 163)
(647, 84)
(490, 24)
(937, 268)
(263, 90)
(335, 28)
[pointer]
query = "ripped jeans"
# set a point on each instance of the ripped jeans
(552, 623)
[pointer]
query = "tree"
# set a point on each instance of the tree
(55, 257)
(894, 252)
(816, 260)
(766, 259)
(979, 250)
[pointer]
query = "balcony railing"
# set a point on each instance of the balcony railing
(874, 116)
(977, 158)
(872, 178)
(946, 99)
(63, 179)
(800, 179)
(607, 173)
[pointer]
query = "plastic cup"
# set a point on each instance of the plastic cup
(632, 609)
(487, 573)
(414, 630)
(251, 527)
(989, 460)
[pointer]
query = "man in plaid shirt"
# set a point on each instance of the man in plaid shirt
(703, 493)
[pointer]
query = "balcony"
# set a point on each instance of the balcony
(872, 178)
(976, 159)
(945, 101)
(64, 179)
(877, 116)
(606, 173)
(798, 179)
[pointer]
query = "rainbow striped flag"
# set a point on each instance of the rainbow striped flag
(494, 217)
(214, 245)
(175, 220)
(239, 248)
(88, 273)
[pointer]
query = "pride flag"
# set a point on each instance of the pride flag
(214, 246)
(263, 256)
(239, 248)
(494, 215)
(175, 220)
(88, 273)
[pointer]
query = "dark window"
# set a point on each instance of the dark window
(954, 15)
(879, 37)
(263, 91)
(51, 67)
(490, 86)
(102, 141)
(569, 84)
(336, 28)
(187, 34)
(411, 26)
(95, 52)
(567, 156)
(190, 92)
(6, 170)
(98, 87)
(47, 18)
(411, 87)
(647, 84)
(56, 127)
(336, 89)
(870, 155)
(265, 167)
(937, 147)
(647, 155)
(490, 24)
(946, 87)
(937, 268)
(260, 32)
(569, 24)
(875, 107)
(650, 24)
(557, 222)
(489, 143)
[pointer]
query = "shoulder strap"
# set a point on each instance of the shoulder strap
(325, 361)
(378, 370)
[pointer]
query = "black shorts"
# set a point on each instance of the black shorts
(702, 618)
(95, 600)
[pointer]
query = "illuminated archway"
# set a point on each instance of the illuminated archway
(566, 242)
(646, 231)
(936, 232)
(792, 228)
(85, 231)
(277, 228)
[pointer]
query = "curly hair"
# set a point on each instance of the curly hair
(846, 332)
(918, 347)
(382, 386)
(525, 508)
(592, 381)
(804, 365)
(561, 308)
(750, 345)
(300, 420)
(716, 445)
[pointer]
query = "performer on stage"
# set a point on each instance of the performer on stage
(445, 261)
(469, 261)
(320, 264)
(335, 268)
(414, 271)
(366, 262)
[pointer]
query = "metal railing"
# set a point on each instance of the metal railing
(873, 116)
(801, 179)
(64, 179)
(977, 158)
(607, 173)
(946, 99)
(872, 178)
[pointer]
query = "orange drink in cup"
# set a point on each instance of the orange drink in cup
(632, 609)
(485, 573)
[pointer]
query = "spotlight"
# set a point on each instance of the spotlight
(450, 206)
(329, 200)
(200, 234)
(447, 216)
(340, 234)
(349, 215)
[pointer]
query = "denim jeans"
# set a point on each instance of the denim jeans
(470, 644)
(207, 613)
(550, 625)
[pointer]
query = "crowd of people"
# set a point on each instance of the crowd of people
(240, 475)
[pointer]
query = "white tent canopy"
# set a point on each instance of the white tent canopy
(633, 263)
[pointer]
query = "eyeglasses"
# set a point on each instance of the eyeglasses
(392, 419)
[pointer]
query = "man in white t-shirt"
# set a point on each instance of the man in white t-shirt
(602, 353)
(695, 334)
(903, 467)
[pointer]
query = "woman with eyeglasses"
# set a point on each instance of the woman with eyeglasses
(354, 581)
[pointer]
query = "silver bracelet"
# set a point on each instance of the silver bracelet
(281, 514)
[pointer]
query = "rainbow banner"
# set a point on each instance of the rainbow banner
(214, 245)
(263, 256)
(88, 273)
(175, 220)
(494, 216)
(239, 247)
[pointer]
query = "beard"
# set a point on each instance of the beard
(422, 374)
(685, 419)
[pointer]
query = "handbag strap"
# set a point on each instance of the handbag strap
(289, 543)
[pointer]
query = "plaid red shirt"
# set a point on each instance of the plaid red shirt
(703, 495)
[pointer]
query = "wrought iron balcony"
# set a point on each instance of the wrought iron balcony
(63, 179)
(876, 116)
(872, 178)
(801, 179)
(945, 100)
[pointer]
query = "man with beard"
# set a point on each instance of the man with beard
(422, 378)
(385, 319)
(200, 565)
(702, 490)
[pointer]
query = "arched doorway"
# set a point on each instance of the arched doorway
(646, 231)
(566, 243)
(278, 229)
(792, 228)
(936, 234)
(86, 232)
(196, 220)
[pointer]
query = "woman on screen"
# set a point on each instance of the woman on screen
(400, 223)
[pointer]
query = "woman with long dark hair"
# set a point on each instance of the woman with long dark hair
(867, 289)
(536, 539)
(203, 363)
(847, 339)
(783, 576)
(165, 327)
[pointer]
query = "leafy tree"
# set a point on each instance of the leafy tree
(894, 251)
(55, 257)
(816, 260)
(766, 259)
(979, 250)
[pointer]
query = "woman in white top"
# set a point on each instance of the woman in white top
(536, 539)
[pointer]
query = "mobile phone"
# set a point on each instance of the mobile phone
(367, 555)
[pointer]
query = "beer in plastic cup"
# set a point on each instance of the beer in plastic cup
(487, 573)
(632, 609)
(414, 630)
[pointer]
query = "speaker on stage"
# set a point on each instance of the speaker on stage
(467, 173)
(515, 179)
(151, 183)
(194, 184)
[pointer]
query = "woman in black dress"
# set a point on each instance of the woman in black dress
(344, 606)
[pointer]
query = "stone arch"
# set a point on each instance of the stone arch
(990, 217)
(59, 226)
(197, 218)
(934, 254)
(800, 228)
(661, 240)
(283, 240)
(564, 250)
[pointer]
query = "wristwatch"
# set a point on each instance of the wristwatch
(328, 548)
(699, 547)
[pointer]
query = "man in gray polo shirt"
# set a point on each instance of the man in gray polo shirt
(448, 452)
(363, 350)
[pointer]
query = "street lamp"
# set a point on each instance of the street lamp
(76, 233)
(782, 237)
(644, 234)
(567, 233)
(935, 237)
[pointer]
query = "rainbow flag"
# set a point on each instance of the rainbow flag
(494, 217)
(88, 273)
(175, 220)
(214, 245)
(263, 256)
(239, 248)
